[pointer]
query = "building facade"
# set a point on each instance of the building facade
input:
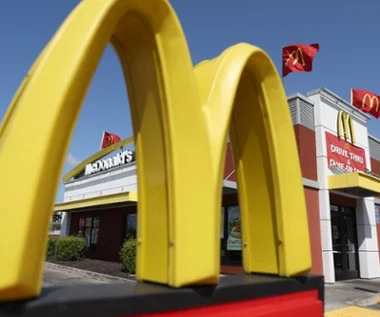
(340, 164)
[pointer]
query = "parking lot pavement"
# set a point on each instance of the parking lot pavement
(357, 292)
(53, 277)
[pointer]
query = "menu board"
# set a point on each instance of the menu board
(234, 228)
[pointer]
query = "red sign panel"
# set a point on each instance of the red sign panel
(344, 155)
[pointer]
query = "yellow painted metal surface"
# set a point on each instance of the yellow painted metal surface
(13, 105)
(175, 113)
(354, 179)
(97, 201)
(94, 157)
(242, 93)
(353, 311)
(165, 109)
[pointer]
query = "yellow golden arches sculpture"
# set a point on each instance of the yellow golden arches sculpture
(167, 101)
(242, 93)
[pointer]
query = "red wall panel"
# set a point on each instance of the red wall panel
(312, 205)
(307, 152)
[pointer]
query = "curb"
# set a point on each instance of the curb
(88, 274)
(373, 300)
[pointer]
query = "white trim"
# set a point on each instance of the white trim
(305, 181)
(340, 103)
(298, 95)
(229, 184)
(377, 200)
(310, 183)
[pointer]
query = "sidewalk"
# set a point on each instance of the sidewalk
(55, 275)
(352, 293)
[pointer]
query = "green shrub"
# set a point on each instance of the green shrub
(51, 246)
(70, 248)
(128, 256)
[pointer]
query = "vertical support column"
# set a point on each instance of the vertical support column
(324, 195)
(367, 238)
(327, 250)
(65, 224)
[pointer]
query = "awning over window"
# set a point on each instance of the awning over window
(126, 197)
(356, 184)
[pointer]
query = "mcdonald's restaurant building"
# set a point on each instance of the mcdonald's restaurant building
(340, 165)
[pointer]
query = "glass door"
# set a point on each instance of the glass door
(344, 240)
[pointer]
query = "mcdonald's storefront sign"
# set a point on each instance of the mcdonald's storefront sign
(122, 158)
(346, 129)
(344, 155)
(341, 151)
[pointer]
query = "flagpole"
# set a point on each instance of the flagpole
(282, 67)
(351, 96)
(101, 141)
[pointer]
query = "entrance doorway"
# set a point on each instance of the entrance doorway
(345, 242)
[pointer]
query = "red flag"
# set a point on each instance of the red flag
(298, 58)
(366, 101)
(108, 139)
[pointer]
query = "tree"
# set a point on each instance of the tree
(57, 216)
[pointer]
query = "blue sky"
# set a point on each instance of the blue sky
(348, 34)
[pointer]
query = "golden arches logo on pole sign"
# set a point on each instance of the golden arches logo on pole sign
(166, 101)
(346, 128)
(297, 55)
(372, 101)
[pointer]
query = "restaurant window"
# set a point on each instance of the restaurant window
(131, 226)
(89, 229)
(233, 245)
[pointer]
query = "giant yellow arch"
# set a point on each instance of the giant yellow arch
(175, 114)
(165, 108)
(242, 93)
